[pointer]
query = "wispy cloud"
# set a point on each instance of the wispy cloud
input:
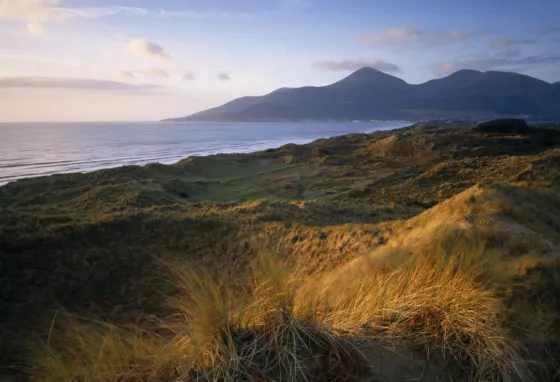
(484, 62)
(414, 37)
(450, 37)
(291, 4)
(144, 48)
(97, 12)
(30, 57)
(71, 84)
(156, 73)
(200, 15)
(35, 29)
(553, 30)
(511, 42)
(128, 74)
(189, 76)
(33, 10)
(509, 53)
(53, 10)
(34, 13)
(46, 11)
(393, 36)
(351, 65)
(223, 76)
(539, 59)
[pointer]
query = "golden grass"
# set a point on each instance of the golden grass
(277, 327)
(440, 284)
(440, 308)
(219, 334)
(91, 351)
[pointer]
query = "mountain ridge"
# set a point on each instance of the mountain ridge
(368, 94)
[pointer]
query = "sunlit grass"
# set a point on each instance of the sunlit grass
(284, 328)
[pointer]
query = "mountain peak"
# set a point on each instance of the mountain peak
(370, 76)
(367, 73)
(465, 74)
(468, 71)
(367, 70)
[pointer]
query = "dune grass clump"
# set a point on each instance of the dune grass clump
(219, 333)
(82, 350)
(277, 327)
(439, 309)
(250, 332)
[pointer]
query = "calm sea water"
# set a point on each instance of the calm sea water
(35, 149)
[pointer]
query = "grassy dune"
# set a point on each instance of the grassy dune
(427, 253)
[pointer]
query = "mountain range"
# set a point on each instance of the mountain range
(371, 94)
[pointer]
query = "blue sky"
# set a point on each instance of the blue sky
(151, 59)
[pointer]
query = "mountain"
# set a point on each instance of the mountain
(371, 94)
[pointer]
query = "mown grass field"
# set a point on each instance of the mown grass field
(426, 252)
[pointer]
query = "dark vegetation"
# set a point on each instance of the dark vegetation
(434, 205)
(511, 125)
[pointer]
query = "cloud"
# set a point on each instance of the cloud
(35, 29)
(223, 76)
(450, 37)
(202, 15)
(144, 48)
(98, 12)
(414, 37)
(33, 10)
(509, 53)
(485, 62)
(52, 10)
(189, 76)
(45, 11)
(393, 36)
(351, 65)
(157, 73)
(71, 84)
(154, 73)
(508, 43)
(126, 74)
(553, 30)
(539, 59)
(292, 4)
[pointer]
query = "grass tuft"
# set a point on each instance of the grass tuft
(439, 309)
(217, 335)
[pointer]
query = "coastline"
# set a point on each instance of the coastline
(72, 165)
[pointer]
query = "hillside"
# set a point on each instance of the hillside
(425, 253)
(370, 94)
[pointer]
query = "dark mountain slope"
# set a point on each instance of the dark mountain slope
(493, 92)
(371, 94)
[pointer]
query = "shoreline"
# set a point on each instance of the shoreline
(256, 147)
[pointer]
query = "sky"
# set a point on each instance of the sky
(142, 60)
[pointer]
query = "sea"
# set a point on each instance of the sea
(37, 149)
